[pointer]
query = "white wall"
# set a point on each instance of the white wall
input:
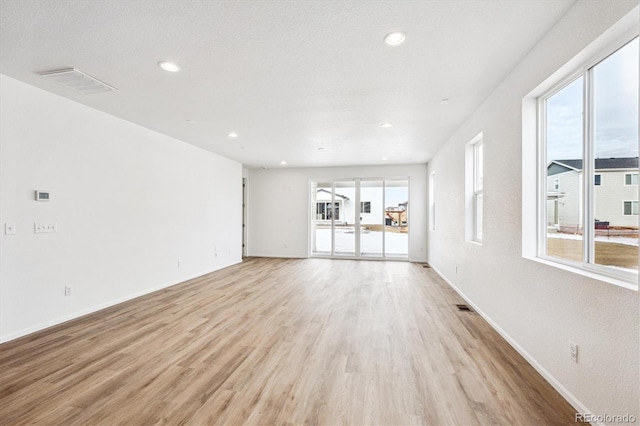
(279, 213)
(538, 307)
(129, 203)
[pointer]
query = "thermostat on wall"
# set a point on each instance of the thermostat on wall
(42, 196)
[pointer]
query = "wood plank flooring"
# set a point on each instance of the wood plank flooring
(279, 341)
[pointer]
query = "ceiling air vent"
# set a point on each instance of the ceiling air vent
(77, 80)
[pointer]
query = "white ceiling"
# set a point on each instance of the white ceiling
(288, 76)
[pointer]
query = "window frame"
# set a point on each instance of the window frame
(631, 179)
(432, 201)
(474, 190)
(631, 204)
(597, 179)
(478, 190)
(587, 264)
(365, 207)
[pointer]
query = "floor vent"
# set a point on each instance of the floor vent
(464, 308)
(426, 265)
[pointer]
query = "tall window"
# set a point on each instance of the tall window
(365, 207)
(432, 201)
(474, 174)
(590, 123)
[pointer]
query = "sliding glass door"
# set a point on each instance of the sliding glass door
(360, 218)
(396, 217)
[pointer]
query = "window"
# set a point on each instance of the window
(474, 175)
(365, 207)
(630, 208)
(631, 179)
(589, 122)
(324, 211)
(432, 201)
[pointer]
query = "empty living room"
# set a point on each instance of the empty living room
(359, 212)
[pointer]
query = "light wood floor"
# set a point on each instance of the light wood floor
(279, 341)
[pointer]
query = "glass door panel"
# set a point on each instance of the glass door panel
(371, 218)
(344, 235)
(321, 218)
(396, 218)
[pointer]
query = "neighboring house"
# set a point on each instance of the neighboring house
(396, 215)
(323, 206)
(615, 186)
(345, 209)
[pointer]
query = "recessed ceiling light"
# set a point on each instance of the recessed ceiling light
(444, 100)
(384, 158)
(284, 163)
(190, 121)
(386, 125)
(168, 66)
(395, 38)
(321, 149)
(233, 135)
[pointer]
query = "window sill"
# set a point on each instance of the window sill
(477, 243)
(593, 275)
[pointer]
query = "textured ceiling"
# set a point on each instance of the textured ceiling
(289, 77)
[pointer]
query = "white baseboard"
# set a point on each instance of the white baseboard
(69, 317)
(557, 385)
(278, 256)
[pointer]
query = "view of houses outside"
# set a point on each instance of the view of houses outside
(616, 210)
(382, 213)
(613, 196)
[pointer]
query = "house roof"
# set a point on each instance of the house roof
(559, 166)
(337, 195)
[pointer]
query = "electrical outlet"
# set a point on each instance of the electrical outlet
(573, 351)
(67, 290)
